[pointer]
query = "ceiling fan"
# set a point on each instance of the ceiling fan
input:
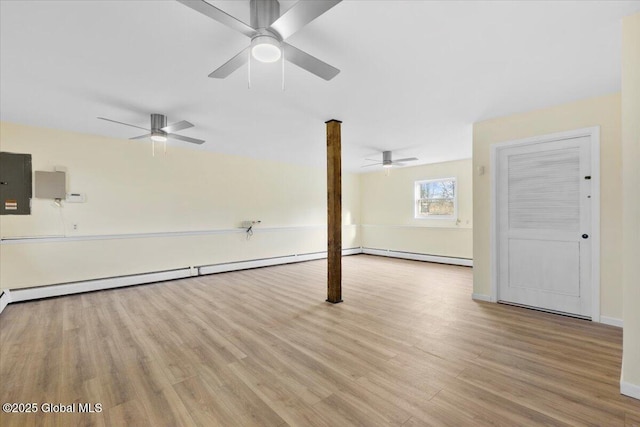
(160, 131)
(267, 32)
(387, 161)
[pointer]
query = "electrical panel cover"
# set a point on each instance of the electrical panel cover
(15, 184)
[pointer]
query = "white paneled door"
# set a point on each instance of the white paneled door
(543, 224)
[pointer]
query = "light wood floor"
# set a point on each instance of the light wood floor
(261, 347)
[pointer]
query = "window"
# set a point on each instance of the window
(436, 199)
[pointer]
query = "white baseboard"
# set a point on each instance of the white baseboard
(352, 251)
(5, 299)
(27, 294)
(266, 262)
(481, 297)
(96, 285)
(631, 390)
(613, 321)
(419, 257)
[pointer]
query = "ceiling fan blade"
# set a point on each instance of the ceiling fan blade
(300, 15)
(394, 163)
(373, 164)
(120, 123)
(142, 136)
(220, 16)
(185, 138)
(309, 63)
(372, 160)
(177, 126)
(408, 159)
(231, 65)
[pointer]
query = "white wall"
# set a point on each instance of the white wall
(130, 192)
(630, 379)
(387, 211)
(603, 111)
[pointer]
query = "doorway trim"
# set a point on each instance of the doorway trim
(594, 134)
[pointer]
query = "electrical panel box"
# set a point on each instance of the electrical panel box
(51, 185)
(15, 184)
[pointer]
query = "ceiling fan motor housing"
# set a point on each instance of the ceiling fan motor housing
(386, 158)
(263, 13)
(158, 121)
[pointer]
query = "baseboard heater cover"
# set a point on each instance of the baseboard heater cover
(5, 299)
(419, 257)
(27, 294)
(267, 262)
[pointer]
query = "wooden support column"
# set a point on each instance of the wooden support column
(334, 212)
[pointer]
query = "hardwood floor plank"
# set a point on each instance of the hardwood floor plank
(583, 387)
(562, 407)
(489, 408)
(632, 419)
(129, 413)
(153, 390)
(340, 410)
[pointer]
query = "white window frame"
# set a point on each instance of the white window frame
(416, 200)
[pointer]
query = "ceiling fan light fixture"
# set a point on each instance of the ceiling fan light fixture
(158, 138)
(387, 166)
(266, 48)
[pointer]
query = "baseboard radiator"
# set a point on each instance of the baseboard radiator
(26, 294)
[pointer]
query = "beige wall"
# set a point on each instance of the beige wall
(129, 191)
(602, 111)
(387, 206)
(631, 204)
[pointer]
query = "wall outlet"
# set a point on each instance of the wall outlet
(75, 227)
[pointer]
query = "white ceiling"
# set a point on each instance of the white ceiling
(414, 75)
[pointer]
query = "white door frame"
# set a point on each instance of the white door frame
(594, 134)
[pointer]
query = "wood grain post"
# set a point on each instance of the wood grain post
(334, 212)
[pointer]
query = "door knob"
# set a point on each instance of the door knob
(585, 236)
